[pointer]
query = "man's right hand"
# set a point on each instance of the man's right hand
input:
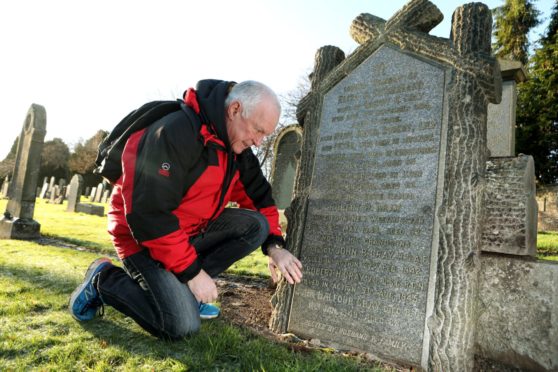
(203, 287)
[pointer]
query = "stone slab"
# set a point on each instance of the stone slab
(510, 223)
(285, 164)
(97, 210)
(518, 312)
(370, 230)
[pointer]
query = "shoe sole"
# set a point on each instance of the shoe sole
(86, 280)
(207, 317)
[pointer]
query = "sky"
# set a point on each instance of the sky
(91, 63)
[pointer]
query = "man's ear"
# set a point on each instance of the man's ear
(233, 109)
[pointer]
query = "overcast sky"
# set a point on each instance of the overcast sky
(91, 63)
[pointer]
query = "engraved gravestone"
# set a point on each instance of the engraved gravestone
(18, 222)
(387, 206)
(285, 164)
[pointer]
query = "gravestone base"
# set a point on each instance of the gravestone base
(19, 228)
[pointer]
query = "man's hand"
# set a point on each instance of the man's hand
(203, 287)
(289, 266)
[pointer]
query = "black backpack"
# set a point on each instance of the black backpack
(109, 155)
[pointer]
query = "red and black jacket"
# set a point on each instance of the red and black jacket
(177, 175)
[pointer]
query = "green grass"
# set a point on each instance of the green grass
(37, 332)
(90, 232)
(547, 245)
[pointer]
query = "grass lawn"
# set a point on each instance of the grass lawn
(38, 333)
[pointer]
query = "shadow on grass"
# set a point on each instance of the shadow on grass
(52, 239)
(40, 277)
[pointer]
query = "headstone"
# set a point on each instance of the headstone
(510, 222)
(61, 196)
(61, 183)
(105, 197)
(87, 191)
(387, 213)
(76, 188)
(99, 193)
(97, 210)
(92, 195)
(38, 191)
(547, 200)
(501, 117)
(51, 186)
(18, 222)
(54, 193)
(5, 186)
(286, 152)
(44, 190)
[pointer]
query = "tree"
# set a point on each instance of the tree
(54, 159)
(537, 114)
(513, 21)
(82, 160)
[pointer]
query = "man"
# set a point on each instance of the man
(167, 217)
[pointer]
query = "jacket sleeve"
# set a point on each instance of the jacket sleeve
(252, 191)
(155, 166)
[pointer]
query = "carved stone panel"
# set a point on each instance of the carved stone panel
(370, 232)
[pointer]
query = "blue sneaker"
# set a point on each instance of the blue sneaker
(208, 311)
(85, 300)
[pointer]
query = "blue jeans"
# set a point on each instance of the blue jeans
(156, 299)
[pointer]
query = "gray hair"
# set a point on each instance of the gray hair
(250, 93)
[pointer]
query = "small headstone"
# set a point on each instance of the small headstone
(74, 195)
(54, 194)
(99, 193)
(92, 195)
(97, 210)
(51, 186)
(105, 197)
(38, 191)
(510, 222)
(87, 191)
(61, 183)
(61, 196)
(18, 222)
(44, 191)
(5, 186)
(285, 164)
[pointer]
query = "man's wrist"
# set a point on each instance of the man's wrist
(274, 246)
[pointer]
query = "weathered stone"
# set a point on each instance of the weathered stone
(501, 117)
(392, 189)
(76, 188)
(286, 150)
(18, 220)
(518, 312)
(51, 184)
(87, 191)
(97, 210)
(510, 222)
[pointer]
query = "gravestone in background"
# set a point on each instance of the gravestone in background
(286, 150)
(18, 222)
(76, 188)
(501, 117)
(44, 190)
(99, 193)
(5, 186)
(387, 211)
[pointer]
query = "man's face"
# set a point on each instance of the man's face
(250, 131)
